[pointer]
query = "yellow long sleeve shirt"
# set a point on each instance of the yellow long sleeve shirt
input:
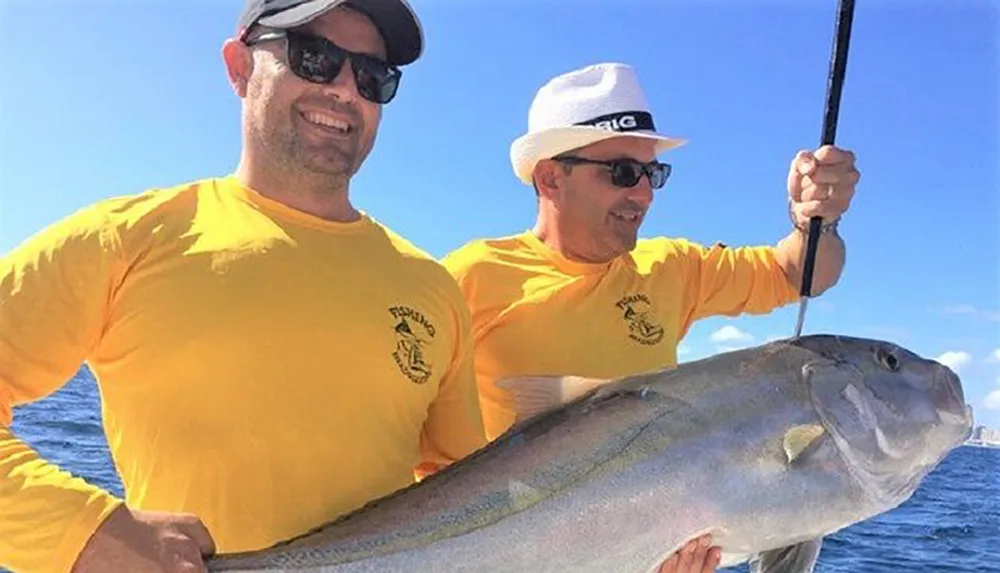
(259, 367)
(535, 312)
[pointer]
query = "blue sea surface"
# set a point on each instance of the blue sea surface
(950, 525)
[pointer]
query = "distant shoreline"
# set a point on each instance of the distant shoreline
(982, 444)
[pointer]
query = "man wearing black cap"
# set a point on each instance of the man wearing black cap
(269, 357)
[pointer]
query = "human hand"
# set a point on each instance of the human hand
(697, 556)
(821, 183)
(146, 542)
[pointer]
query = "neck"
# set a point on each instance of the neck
(549, 231)
(320, 197)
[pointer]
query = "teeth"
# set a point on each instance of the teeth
(631, 217)
(327, 121)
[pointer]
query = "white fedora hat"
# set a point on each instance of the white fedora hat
(581, 107)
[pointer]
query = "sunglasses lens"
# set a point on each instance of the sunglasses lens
(317, 60)
(628, 173)
(376, 80)
(658, 175)
(314, 60)
(625, 173)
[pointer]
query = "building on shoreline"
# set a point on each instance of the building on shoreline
(981, 435)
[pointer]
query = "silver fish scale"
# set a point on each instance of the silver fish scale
(505, 484)
(617, 483)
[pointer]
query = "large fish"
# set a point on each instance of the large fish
(769, 449)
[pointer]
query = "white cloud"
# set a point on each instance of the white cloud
(683, 350)
(729, 333)
(972, 311)
(955, 359)
(992, 400)
(994, 356)
(959, 309)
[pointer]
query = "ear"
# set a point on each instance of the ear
(239, 65)
(547, 177)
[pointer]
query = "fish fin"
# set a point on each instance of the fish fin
(799, 438)
(799, 558)
(534, 395)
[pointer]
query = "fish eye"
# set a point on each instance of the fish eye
(887, 359)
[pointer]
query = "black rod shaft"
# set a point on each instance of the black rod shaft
(834, 89)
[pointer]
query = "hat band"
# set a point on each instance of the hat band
(622, 121)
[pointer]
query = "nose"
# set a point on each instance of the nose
(641, 193)
(343, 87)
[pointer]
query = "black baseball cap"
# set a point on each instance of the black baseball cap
(395, 19)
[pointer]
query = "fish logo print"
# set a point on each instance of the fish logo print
(413, 333)
(637, 313)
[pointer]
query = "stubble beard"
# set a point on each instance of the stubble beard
(323, 168)
(623, 240)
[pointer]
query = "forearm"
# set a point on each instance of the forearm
(54, 289)
(46, 515)
(829, 263)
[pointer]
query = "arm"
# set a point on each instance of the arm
(730, 281)
(830, 256)
(53, 292)
(454, 427)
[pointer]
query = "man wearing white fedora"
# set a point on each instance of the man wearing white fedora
(580, 294)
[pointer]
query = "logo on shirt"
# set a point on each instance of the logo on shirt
(413, 333)
(637, 313)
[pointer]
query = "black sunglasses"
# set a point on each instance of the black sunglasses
(318, 60)
(625, 172)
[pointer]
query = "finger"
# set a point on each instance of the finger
(199, 533)
(700, 554)
(182, 553)
(189, 567)
(827, 210)
(836, 197)
(686, 556)
(192, 562)
(833, 175)
(833, 155)
(670, 565)
(712, 560)
(802, 164)
(834, 193)
(816, 192)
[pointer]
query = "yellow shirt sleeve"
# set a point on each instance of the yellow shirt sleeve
(730, 281)
(54, 290)
(536, 313)
(489, 290)
(454, 426)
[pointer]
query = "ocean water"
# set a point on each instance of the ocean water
(950, 525)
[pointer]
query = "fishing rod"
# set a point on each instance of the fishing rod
(834, 88)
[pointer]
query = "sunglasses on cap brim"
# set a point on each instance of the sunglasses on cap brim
(625, 172)
(318, 60)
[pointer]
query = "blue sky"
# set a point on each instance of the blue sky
(101, 98)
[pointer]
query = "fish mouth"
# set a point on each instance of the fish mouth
(952, 408)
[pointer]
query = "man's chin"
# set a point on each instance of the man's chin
(626, 244)
(327, 164)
